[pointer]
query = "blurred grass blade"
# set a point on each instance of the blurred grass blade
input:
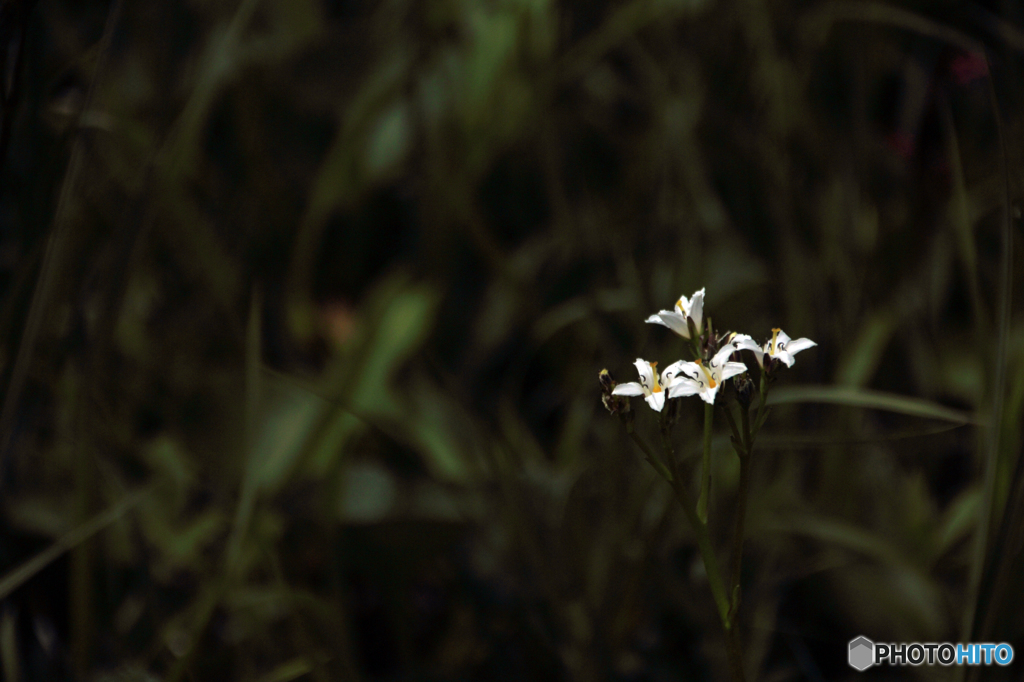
(253, 385)
(288, 671)
(786, 441)
(880, 13)
(958, 521)
(9, 644)
(861, 361)
(14, 579)
(867, 398)
(53, 256)
(838, 533)
(986, 595)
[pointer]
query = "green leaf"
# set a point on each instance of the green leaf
(860, 363)
(389, 141)
(871, 399)
(285, 672)
(287, 422)
(14, 579)
(402, 324)
(959, 520)
(838, 533)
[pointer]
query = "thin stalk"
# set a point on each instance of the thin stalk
(988, 584)
(54, 254)
(705, 473)
(700, 530)
(726, 607)
(707, 552)
(652, 458)
(748, 437)
(694, 348)
(736, 558)
(733, 647)
(734, 652)
(761, 404)
(82, 560)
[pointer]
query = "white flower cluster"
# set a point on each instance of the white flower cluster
(701, 377)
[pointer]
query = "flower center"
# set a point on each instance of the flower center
(711, 380)
(775, 335)
(654, 372)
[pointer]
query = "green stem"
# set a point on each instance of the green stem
(760, 408)
(705, 473)
(745, 434)
(707, 552)
(695, 348)
(736, 558)
(733, 646)
(652, 458)
(734, 651)
(746, 455)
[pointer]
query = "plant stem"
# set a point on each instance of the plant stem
(736, 559)
(719, 591)
(707, 553)
(746, 455)
(760, 408)
(695, 348)
(734, 652)
(705, 473)
(733, 646)
(652, 458)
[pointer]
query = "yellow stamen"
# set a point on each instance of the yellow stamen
(654, 371)
(775, 334)
(711, 380)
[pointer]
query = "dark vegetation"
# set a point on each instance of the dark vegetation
(303, 302)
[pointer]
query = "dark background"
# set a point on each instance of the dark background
(307, 299)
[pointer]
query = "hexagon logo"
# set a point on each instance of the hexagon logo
(862, 653)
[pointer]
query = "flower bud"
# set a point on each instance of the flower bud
(615, 404)
(744, 388)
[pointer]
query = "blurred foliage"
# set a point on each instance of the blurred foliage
(304, 301)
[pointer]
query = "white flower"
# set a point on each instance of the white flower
(676, 320)
(694, 378)
(650, 387)
(780, 346)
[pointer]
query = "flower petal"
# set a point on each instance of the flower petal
(745, 342)
(692, 380)
(656, 400)
(722, 356)
(681, 382)
(669, 374)
(673, 321)
(646, 374)
(690, 371)
(707, 394)
(697, 309)
(782, 339)
(682, 387)
(630, 388)
(798, 345)
(656, 319)
(784, 356)
(731, 369)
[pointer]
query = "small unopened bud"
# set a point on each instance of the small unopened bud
(744, 389)
(692, 328)
(615, 404)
